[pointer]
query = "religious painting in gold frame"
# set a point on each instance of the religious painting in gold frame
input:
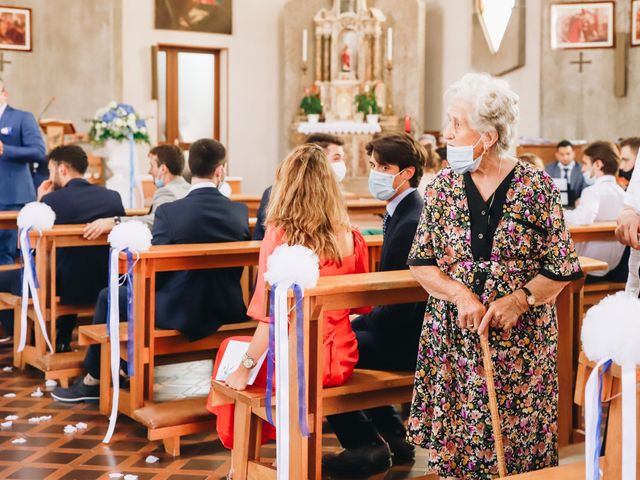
(15, 29)
(635, 23)
(210, 16)
(582, 25)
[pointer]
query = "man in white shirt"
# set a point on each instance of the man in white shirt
(628, 231)
(603, 201)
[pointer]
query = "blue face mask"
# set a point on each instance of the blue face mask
(159, 182)
(381, 184)
(461, 158)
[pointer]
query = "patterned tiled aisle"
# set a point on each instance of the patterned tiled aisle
(49, 453)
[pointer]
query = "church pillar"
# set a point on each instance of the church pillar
(319, 72)
(376, 56)
(327, 57)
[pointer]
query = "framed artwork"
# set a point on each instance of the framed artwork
(635, 23)
(15, 29)
(210, 16)
(582, 25)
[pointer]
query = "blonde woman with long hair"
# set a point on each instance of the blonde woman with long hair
(306, 208)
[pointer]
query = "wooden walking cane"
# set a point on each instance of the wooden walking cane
(493, 405)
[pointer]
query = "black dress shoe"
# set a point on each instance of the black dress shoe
(63, 347)
(78, 392)
(402, 451)
(358, 462)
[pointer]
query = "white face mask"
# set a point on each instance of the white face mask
(339, 169)
(381, 184)
(461, 158)
(588, 178)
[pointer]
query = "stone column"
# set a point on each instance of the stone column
(318, 56)
(326, 51)
(377, 76)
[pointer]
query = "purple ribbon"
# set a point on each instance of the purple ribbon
(598, 442)
(302, 404)
(271, 354)
(130, 349)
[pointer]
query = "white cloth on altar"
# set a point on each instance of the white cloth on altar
(339, 128)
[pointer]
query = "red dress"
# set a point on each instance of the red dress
(340, 344)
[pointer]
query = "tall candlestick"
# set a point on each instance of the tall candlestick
(389, 44)
(305, 35)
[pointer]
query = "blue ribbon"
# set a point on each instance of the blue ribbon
(31, 258)
(598, 440)
(302, 407)
(132, 176)
(129, 287)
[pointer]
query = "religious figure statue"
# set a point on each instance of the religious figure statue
(345, 58)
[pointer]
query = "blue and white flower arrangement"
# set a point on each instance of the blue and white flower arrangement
(119, 122)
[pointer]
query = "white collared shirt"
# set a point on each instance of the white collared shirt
(198, 186)
(393, 204)
(632, 196)
(601, 202)
(2, 109)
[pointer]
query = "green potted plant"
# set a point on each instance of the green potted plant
(367, 105)
(311, 105)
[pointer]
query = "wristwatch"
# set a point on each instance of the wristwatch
(531, 299)
(117, 220)
(248, 362)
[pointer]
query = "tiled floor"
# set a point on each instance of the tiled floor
(49, 453)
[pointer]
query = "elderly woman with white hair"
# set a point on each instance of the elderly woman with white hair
(493, 252)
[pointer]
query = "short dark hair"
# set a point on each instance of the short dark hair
(205, 155)
(607, 153)
(171, 156)
(442, 152)
(564, 143)
(323, 140)
(72, 156)
(399, 149)
(632, 142)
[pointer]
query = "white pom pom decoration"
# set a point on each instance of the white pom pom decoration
(36, 215)
(611, 329)
(133, 235)
(293, 264)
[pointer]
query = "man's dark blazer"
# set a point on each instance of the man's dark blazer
(197, 302)
(395, 328)
(81, 272)
(258, 232)
(577, 183)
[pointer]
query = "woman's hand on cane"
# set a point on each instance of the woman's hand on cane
(470, 309)
(502, 313)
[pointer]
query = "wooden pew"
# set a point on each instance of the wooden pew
(601, 231)
(355, 206)
(151, 343)
(351, 291)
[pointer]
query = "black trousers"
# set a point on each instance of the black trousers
(10, 282)
(361, 428)
(100, 316)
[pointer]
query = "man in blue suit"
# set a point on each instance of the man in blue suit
(388, 336)
(21, 145)
(566, 169)
(194, 302)
(81, 272)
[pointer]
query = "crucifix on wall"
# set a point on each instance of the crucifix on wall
(580, 62)
(3, 62)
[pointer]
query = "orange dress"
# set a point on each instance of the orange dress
(340, 344)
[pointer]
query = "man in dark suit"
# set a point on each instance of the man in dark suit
(81, 272)
(194, 302)
(21, 145)
(388, 336)
(333, 149)
(567, 172)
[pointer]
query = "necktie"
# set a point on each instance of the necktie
(567, 175)
(385, 220)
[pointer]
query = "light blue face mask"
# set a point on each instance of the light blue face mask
(159, 182)
(461, 158)
(588, 178)
(381, 184)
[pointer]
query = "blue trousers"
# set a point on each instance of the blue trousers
(9, 239)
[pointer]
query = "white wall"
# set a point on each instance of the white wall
(254, 56)
(449, 57)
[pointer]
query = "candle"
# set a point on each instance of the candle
(389, 44)
(305, 35)
(407, 124)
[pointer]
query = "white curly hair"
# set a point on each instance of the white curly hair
(494, 106)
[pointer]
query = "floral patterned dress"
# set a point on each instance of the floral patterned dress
(493, 248)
